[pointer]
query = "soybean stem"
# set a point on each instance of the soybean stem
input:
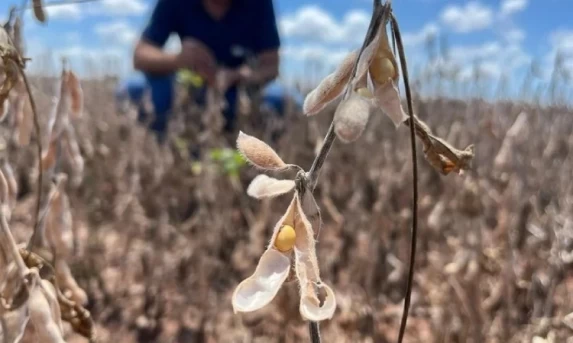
(321, 157)
(314, 332)
(414, 234)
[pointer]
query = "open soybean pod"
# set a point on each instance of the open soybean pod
(259, 289)
(317, 299)
(378, 70)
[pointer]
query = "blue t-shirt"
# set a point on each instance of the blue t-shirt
(249, 24)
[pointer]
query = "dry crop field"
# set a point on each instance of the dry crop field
(138, 242)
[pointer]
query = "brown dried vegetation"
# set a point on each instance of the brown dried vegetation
(158, 242)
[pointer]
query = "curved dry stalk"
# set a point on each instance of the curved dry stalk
(414, 234)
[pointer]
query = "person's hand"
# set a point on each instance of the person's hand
(196, 56)
(226, 78)
(245, 73)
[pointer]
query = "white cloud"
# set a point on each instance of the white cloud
(415, 38)
(514, 35)
(83, 51)
(488, 69)
(509, 7)
(493, 58)
(118, 31)
(562, 40)
(473, 16)
(124, 7)
(102, 7)
(89, 61)
(68, 11)
(468, 53)
(314, 24)
(328, 57)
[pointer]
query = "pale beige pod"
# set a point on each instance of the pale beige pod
(351, 117)
(76, 95)
(45, 316)
(4, 109)
(331, 87)
(66, 279)
(377, 61)
(273, 268)
(260, 289)
(317, 300)
(39, 11)
(6, 168)
(388, 99)
(313, 309)
(264, 186)
(259, 153)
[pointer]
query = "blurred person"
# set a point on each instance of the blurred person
(211, 33)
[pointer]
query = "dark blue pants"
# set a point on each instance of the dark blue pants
(162, 96)
(162, 90)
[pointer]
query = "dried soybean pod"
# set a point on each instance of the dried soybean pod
(76, 94)
(331, 87)
(351, 117)
(39, 12)
(259, 153)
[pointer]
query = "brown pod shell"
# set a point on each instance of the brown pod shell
(39, 12)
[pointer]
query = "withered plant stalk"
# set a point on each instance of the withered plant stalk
(414, 234)
(380, 15)
(366, 79)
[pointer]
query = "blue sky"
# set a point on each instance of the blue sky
(505, 35)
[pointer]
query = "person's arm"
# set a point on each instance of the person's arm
(148, 55)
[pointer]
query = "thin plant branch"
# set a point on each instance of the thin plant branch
(414, 234)
(313, 174)
(59, 3)
(321, 157)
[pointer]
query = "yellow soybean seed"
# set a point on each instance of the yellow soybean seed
(364, 92)
(382, 69)
(285, 238)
